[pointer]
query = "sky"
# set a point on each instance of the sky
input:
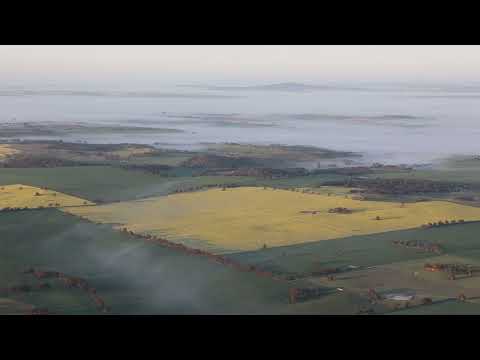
(159, 65)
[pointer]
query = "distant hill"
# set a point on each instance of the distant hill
(285, 86)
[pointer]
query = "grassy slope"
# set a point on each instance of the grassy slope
(131, 275)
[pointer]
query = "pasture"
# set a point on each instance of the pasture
(132, 276)
(107, 183)
(366, 250)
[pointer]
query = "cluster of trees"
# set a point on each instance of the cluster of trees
(419, 244)
(451, 269)
(210, 161)
(81, 147)
(198, 252)
(72, 282)
(340, 210)
(12, 209)
(326, 271)
(304, 294)
(399, 186)
(207, 186)
(259, 172)
(155, 169)
(442, 223)
(349, 171)
(29, 161)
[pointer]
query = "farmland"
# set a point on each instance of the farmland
(140, 277)
(255, 217)
(279, 221)
(133, 277)
(257, 180)
(106, 183)
(21, 196)
(364, 250)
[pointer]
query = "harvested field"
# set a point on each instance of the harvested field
(248, 218)
(20, 196)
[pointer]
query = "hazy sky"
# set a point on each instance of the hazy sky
(157, 65)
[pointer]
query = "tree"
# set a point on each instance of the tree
(427, 301)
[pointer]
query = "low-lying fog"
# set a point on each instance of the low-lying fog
(389, 125)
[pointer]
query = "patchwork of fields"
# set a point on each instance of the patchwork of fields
(108, 183)
(287, 231)
(248, 218)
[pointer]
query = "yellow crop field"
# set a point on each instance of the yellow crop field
(6, 150)
(246, 218)
(20, 196)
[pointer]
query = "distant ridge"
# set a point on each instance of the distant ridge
(118, 94)
(284, 86)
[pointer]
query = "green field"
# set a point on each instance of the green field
(133, 276)
(471, 176)
(368, 250)
(90, 182)
(384, 267)
(107, 183)
(455, 170)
